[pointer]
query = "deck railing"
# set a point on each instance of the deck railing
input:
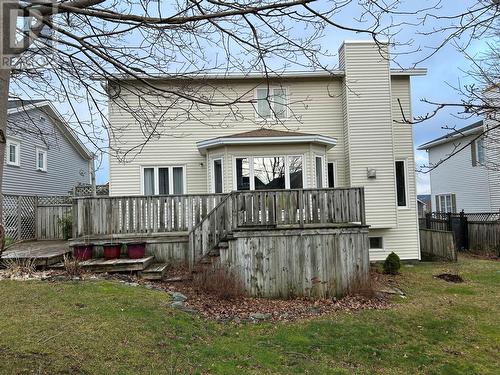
(98, 216)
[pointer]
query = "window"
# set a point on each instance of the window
(477, 152)
(269, 172)
(272, 103)
(41, 159)
(446, 203)
(13, 153)
(295, 172)
(217, 176)
(163, 180)
(319, 171)
(401, 183)
(376, 243)
(331, 175)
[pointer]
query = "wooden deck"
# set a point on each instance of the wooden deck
(115, 265)
(44, 253)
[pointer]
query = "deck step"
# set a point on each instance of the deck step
(155, 271)
(115, 265)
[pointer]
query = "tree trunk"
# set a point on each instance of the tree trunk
(4, 99)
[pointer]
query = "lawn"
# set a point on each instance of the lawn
(104, 327)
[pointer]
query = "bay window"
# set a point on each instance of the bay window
(269, 172)
(163, 180)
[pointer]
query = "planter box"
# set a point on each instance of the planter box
(136, 250)
(112, 251)
(82, 252)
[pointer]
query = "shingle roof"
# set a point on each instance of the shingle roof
(454, 134)
(21, 102)
(262, 132)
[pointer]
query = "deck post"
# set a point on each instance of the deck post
(362, 205)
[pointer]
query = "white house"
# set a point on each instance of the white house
(467, 173)
(319, 129)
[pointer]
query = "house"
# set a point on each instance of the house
(469, 180)
(43, 156)
(423, 204)
(321, 129)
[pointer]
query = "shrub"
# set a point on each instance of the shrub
(19, 267)
(66, 224)
(218, 280)
(72, 266)
(392, 264)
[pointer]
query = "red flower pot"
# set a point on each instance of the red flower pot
(136, 250)
(82, 252)
(112, 251)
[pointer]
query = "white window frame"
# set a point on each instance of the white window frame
(478, 141)
(334, 163)
(323, 173)
(212, 164)
(156, 174)
(444, 196)
(376, 248)
(405, 168)
(251, 168)
(17, 144)
(44, 152)
(272, 117)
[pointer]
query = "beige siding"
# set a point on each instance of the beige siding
(322, 115)
(369, 130)
(404, 239)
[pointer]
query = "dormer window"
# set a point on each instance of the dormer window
(272, 103)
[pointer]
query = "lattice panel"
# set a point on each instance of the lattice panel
(86, 190)
(10, 217)
(27, 210)
(54, 200)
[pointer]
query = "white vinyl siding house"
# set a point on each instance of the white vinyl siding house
(324, 136)
(464, 181)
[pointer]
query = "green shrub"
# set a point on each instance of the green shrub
(66, 224)
(392, 264)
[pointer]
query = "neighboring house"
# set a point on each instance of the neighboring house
(470, 179)
(423, 204)
(43, 156)
(345, 133)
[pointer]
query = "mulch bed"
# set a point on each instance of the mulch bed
(242, 308)
(451, 278)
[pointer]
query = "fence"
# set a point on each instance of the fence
(31, 217)
(85, 190)
(437, 244)
(478, 232)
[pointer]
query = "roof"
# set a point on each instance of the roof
(458, 133)
(263, 132)
(265, 136)
(256, 75)
(16, 106)
(424, 198)
(22, 103)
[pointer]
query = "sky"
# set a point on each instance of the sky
(445, 70)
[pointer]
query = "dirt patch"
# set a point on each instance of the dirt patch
(241, 308)
(451, 278)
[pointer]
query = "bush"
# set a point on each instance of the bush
(72, 266)
(66, 224)
(392, 264)
(218, 280)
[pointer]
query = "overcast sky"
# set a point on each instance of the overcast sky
(445, 70)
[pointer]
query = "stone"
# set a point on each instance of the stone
(178, 297)
(177, 305)
(259, 316)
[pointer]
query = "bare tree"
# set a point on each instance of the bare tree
(65, 49)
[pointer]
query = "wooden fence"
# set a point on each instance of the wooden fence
(437, 244)
(484, 237)
(33, 217)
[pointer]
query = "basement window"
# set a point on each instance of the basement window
(376, 243)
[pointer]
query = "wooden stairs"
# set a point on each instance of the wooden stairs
(145, 267)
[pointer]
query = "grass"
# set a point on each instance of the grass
(107, 327)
